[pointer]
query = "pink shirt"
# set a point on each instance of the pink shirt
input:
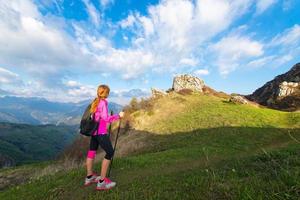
(105, 119)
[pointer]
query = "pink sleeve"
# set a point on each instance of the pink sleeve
(102, 111)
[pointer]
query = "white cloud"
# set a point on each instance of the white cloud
(56, 5)
(25, 7)
(123, 97)
(130, 93)
(283, 59)
(260, 62)
(174, 35)
(8, 77)
(139, 22)
(128, 22)
(176, 30)
(281, 49)
(71, 83)
(71, 91)
(132, 62)
(272, 61)
(290, 36)
(285, 45)
(77, 90)
(238, 46)
(106, 3)
(27, 43)
(263, 5)
(215, 16)
(93, 12)
(234, 49)
(189, 61)
(81, 93)
(147, 25)
(170, 37)
(200, 72)
(129, 63)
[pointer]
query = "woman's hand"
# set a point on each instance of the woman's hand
(121, 114)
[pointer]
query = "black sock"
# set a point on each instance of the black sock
(101, 180)
(90, 176)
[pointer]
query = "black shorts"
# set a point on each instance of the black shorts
(105, 144)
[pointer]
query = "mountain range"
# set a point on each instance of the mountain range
(38, 111)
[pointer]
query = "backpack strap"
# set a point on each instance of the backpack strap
(98, 122)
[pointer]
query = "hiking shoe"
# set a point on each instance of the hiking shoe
(105, 185)
(94, 179)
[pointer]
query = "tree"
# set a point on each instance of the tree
(134, 104)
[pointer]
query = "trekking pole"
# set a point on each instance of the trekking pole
(109, 128)
(114, 147)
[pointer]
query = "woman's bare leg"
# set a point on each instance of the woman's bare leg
(89, 166)
(104, 167)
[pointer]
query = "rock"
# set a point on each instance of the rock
(156, 93)
(287, 88)
(187, 82)
(238, 99)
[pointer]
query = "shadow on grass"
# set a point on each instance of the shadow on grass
(239, 138)
(224, 162)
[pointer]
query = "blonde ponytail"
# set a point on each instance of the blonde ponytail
(94, 105)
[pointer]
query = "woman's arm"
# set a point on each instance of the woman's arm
(102, 112)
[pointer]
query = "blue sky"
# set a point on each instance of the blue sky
(63, 49)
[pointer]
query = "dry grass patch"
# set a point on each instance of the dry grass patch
(164, 108)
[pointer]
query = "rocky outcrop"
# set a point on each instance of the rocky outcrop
(187, 81)
(287, 88)
(283, 92)
(238, 99)
(156, 93)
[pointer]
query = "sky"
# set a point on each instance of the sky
(62, 50)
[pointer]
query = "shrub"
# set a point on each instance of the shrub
(135, 105)
(77, 150)
(185, 91)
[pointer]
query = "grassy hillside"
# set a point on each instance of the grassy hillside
(20, 143)
(192, 147)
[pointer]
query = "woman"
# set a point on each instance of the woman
(100, 137)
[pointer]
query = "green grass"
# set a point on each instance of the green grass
(203, 111)
(255, 154)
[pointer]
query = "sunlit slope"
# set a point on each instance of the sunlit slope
(186, 113)
(196, 147)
